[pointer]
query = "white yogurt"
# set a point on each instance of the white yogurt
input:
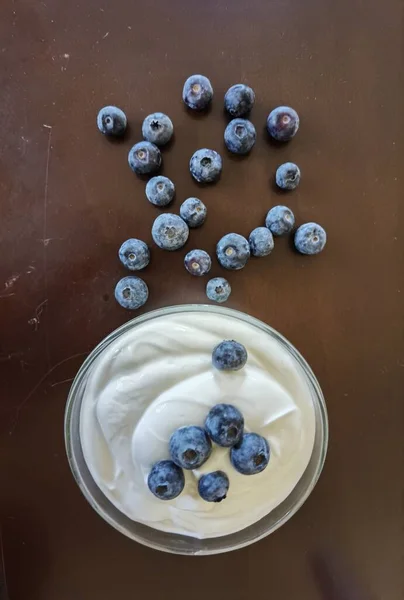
(159, 377)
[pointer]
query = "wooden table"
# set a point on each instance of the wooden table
(68, 200)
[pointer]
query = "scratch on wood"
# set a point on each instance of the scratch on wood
(44, 237)
(3, 570)
(38, 312)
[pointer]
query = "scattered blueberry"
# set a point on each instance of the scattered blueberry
(225, 425)
(160, 190)
(283, 123)
(233, 251)
(157, 129)
(261, 241)
(193, 211)
(205, 165)
(213, 487)
(218, 289)
(250, 455)
(144, 158)
(190, 447)
(239, 100)
(239, 136)
(166, 480)
(310, 238)
(131, 292)
(197, 262)
(134, 254)
(198, 92)
(229, 356)
(111, 120)
(280, 220)
(288, 176)
(169, 231)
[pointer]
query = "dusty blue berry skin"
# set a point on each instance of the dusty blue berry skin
(283, 123)
(239, 100)
(240, 136)
(261, 241)
(194, 212)
(205, 165)
(160, 190)
(134, 254)
(111, 120)
(225, 425)
(190, 447)
(166, 480)
(197, 92)
(287, 176)
(229, 355)
(131, 292)
(233, 251)
(158, 129)
(197, 262)
(144, 158)
(170, 232)
(280, 220)
(213, 487)
(218, 289)
(310, 238)
(251, 454)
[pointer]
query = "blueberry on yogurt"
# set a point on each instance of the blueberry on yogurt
(205, 165)
(166, 480)
(197, 93)
(158, 129)
(280, 220)
(190, 447)
(261, 241)
(229, 355)
(283, 123)
(193, 211)
(160, 190)
(239, 100)
(144, 158)
(233, 251)
(250, 455)
(218, 289)
(225, 425)
(213, 487)
(310, 238)
(111, 120)
(287, 176)
(170, 232)
(240, 136)
(134, 254)
(197, 262)
(131, 292)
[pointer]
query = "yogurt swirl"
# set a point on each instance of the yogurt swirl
(158, 377)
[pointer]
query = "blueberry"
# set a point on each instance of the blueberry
(233, 251)
(218, 289)
(250, 455)
(166, 480)
(134, 254)
(198, 92)
(261, 241)
(190, 447)
(225, 425)
(310, 238)
(157, 129)
(197, 262)
(160, 190)
(283, 123)
(131, 292)
(170, 232)
(288, 176)
(213, 487)
(280, 220)
(229, 356)
(239, 136)
(205, 165)
(193, 211)
(111, 120)
(239, 100)
(144, 158)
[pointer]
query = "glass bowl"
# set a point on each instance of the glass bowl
(174, 543)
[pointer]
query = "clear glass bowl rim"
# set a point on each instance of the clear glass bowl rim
(106, 509)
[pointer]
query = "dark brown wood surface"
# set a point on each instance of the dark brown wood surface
(68, 200)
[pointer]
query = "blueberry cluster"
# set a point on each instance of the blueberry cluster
(191, 446)
(171, 231)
